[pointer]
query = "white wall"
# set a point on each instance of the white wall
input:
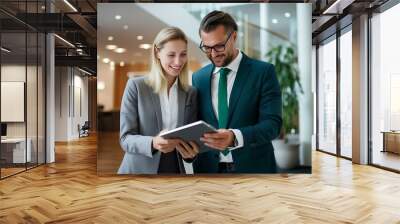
(14, 73)
(106, 77)
(61, 103)
(33, 126)
(69, 85)
(17, 73)
(80, 97)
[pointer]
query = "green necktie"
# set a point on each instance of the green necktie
(223, 101)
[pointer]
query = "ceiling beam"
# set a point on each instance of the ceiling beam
(84, 24)
(77, 61)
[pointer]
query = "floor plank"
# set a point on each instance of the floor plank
(70, 191)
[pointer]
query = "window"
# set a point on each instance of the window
(327, 96)
(346, 94)
(385, 89)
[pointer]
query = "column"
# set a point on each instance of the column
(50, 98)
(304, 40)
(360, 90)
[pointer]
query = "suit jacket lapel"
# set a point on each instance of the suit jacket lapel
(240, 81)
(208, 99)
(157, 108)
(181, 106)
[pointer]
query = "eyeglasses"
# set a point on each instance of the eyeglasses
(217, 48)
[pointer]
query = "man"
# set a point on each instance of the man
(239, 95)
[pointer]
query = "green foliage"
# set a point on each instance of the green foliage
(285, 61)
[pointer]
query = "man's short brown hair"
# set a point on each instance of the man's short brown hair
(215, 18)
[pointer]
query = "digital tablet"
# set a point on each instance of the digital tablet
(191, 132)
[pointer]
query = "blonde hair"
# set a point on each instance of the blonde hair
(156, 78)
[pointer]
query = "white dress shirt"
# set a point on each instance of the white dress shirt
(169, 111)
(169, 107)
(233, 66)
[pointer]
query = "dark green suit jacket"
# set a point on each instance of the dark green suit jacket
(255, 108)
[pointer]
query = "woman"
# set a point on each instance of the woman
(162, 100)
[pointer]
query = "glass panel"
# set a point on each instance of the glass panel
(41, 98)
(346, 94)
(23, 85)
(385, 84)
(31, 98)
(327, 97)
(13, 87)
(31, 86)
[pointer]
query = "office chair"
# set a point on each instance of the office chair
(84, 130)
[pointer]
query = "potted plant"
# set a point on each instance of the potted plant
(287, 146)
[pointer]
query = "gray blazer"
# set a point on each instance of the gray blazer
(141, 119)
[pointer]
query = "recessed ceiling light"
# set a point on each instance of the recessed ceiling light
(145, 46)
(239, 23)
(274, 21)
(122, 64)
(120, 50)
(118, 17)
(43, 7)
(140, 37)
(106, 60)
(287, 14)
(111, 47)
(112, 63)
(101, 85)
(78, 50)
(110, 38)
(126, 27)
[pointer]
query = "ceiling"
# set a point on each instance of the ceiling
(75, 23)
(329, 16)
(89, 27)
(138, 22)
(89, 31)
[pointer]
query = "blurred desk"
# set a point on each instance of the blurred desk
(108, 121)
(391, 141)
(13, 150)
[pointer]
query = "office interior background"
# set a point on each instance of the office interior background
(125, 53)
(357, 113)
(50, 84)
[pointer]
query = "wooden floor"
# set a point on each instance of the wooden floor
(10, 171)
(387, 159)
(70, 191)
(109, 153)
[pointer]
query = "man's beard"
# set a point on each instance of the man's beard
(228, 59)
